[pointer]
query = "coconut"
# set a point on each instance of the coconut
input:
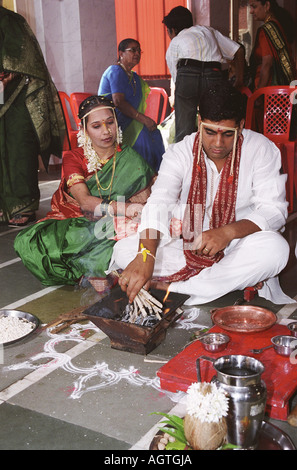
(203, 435)
(205, 426)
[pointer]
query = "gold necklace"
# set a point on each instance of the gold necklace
(109, 187)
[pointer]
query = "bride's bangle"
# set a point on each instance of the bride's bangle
(103, 208)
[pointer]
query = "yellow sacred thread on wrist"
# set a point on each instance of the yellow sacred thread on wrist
(145, 252)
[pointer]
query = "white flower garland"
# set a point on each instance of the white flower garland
(91, 155)
(206, 402)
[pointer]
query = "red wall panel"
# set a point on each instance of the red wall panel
(142, 20)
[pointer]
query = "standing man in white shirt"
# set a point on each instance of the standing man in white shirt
(194, 58)
(225, 187)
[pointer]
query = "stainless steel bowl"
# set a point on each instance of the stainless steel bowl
(214, 342)
(293, 328)
(24, 316)
(284, 345)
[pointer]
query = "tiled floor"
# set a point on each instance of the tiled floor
(72, 390)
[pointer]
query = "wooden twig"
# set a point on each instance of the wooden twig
(144, 302)
(75, 314)
(67, 323)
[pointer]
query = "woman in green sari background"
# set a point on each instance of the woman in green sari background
(31, 119)
(101, 194)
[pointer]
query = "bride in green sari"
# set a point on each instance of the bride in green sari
(100, 197)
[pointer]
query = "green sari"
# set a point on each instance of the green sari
(134, 128)
(31, 117)
(60, 250)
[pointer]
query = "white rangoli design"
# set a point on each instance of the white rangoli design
(106, 376)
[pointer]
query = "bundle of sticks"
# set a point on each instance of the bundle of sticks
(144, 310)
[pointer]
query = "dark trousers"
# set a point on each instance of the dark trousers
(190, 84)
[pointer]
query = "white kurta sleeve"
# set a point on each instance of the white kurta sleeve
(170, 191)
(262, 186)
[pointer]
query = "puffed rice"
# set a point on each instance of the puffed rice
(13, 328)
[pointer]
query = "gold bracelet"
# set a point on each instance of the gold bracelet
(144, 252)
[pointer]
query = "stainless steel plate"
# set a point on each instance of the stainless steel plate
(19, 314)
(271, 438)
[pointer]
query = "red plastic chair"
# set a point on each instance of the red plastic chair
(277, 114)
(71, 142)
(75, 100)
(157, 102)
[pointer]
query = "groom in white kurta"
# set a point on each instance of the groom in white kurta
(253, 249)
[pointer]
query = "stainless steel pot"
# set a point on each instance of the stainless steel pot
(284, 345)
(240, 378)
(214, 342)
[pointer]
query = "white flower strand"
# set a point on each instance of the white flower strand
(84, 141)
(206, 402)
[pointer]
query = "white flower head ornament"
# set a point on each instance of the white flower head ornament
(87, 107)
(206, 402)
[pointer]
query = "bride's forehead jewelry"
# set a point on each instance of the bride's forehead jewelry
(96, 109)
(94, 101)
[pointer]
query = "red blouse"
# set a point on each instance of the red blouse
(74, 167)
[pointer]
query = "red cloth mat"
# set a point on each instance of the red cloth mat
(280, 375)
